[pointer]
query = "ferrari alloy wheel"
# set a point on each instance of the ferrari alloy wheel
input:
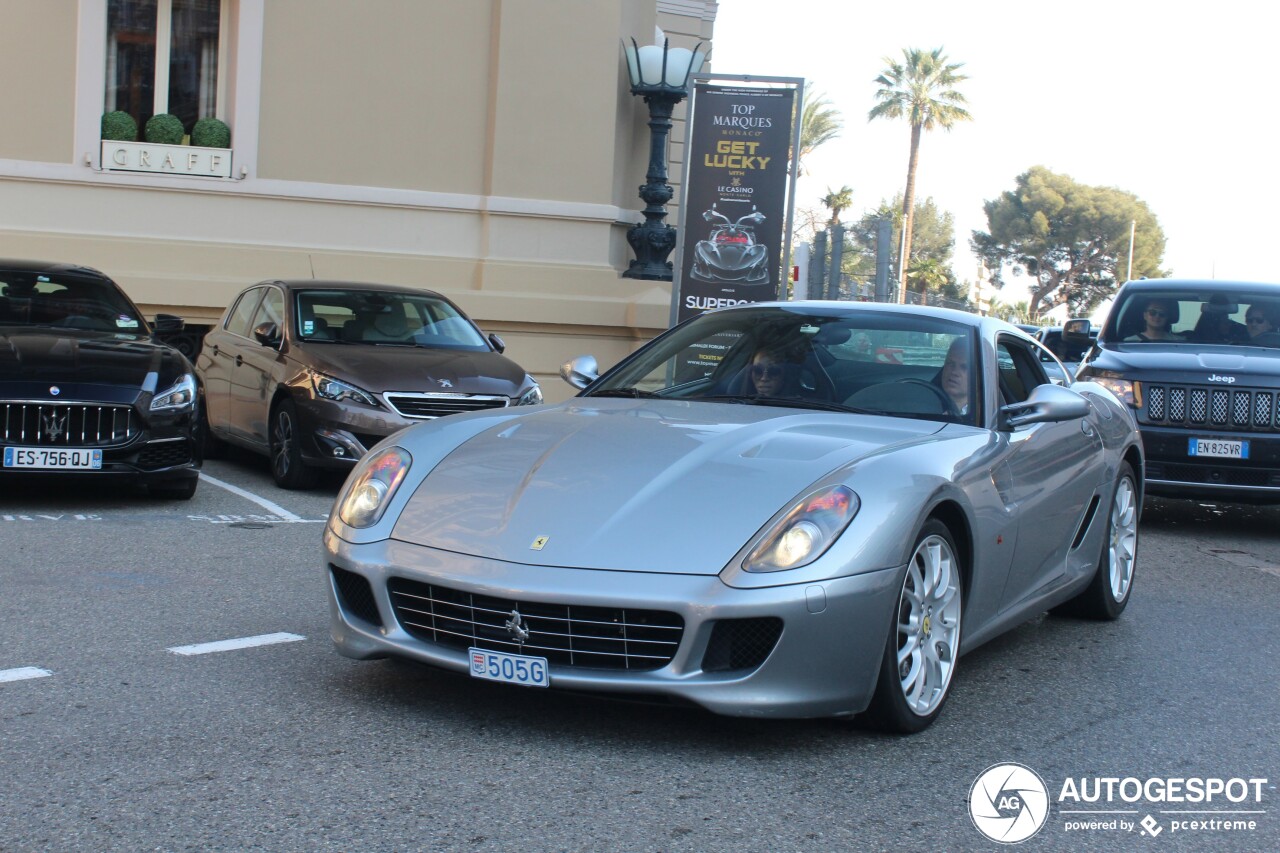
(1108, 593)
(924, 642)
(1122, 538)
(287, 467)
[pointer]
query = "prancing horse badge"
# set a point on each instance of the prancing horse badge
(539, 543)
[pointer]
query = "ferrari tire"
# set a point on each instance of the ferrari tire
(287, 465)
(923, 645)
(1107, 595)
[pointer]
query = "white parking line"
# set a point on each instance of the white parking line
(241, 643)
(23, 672)
(274, 509)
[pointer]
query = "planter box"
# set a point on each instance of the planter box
(183, 160)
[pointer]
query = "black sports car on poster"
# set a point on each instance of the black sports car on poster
(85, 389)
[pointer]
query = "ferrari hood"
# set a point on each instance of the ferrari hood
(635, 485)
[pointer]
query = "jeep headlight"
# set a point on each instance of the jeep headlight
(372, 486)
(179, 395)
(805, 532)
(1129, 391)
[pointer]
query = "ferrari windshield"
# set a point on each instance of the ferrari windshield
(842, 359)
(1212, 315)
(67, 301)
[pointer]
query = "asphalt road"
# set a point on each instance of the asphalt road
(119, 742)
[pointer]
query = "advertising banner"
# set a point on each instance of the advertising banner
(735, 198)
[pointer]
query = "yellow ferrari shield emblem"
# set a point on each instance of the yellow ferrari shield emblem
(539, 543)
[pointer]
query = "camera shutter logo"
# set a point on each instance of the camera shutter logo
(1008, 803)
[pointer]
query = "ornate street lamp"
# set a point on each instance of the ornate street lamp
(659, 73)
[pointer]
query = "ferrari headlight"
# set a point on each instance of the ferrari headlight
(1127, 390)
(180, 395)
(806, 532)
(372, 486)
(532, 397)
(335, 389)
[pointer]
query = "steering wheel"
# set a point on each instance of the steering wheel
(948, 405)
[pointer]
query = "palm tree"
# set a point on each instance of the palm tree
(819, 123)
(837, 201)
(920, 89)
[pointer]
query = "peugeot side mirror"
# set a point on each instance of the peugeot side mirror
(581, 371)
(1048, 403)
(267, 334)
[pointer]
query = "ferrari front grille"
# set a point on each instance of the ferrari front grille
(1236, 409)
(439, 405)
(565, 634)
(42, 424)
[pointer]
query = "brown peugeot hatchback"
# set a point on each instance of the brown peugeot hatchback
(314, 373)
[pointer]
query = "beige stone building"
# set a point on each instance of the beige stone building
(486, 149)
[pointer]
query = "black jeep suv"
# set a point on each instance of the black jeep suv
(1199, 361)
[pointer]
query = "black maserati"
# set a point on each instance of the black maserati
(85, 389)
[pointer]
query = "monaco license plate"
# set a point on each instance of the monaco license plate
(513, 669)
(1218, 449)
(63, 458)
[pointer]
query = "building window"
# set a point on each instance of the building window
(165, 56)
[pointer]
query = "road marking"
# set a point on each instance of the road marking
(241, 643)
(23, 672)
(274, 509)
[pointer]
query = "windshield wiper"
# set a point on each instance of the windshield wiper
(624, 392)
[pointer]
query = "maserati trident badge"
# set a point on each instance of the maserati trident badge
(54, 425)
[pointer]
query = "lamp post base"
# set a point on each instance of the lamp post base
(652, 242)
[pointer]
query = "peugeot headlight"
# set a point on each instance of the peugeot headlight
(179, 395)
(1129, 391)
(532, 397)
(335, 389)
(806, 532)
(372, 486)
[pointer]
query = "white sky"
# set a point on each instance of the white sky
(1173, 102)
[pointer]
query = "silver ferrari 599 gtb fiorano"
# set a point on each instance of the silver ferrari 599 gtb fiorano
(782, 510)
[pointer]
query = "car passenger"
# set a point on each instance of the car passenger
(954, 376)
(1215, 325)
(1262, 321)
(1158, 316)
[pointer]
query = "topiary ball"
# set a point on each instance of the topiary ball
(119, 126)
(164, 129)
(211, 133)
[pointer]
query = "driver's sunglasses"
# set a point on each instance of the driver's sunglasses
(1254, 319)
(766, 371)
(1157, 312)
